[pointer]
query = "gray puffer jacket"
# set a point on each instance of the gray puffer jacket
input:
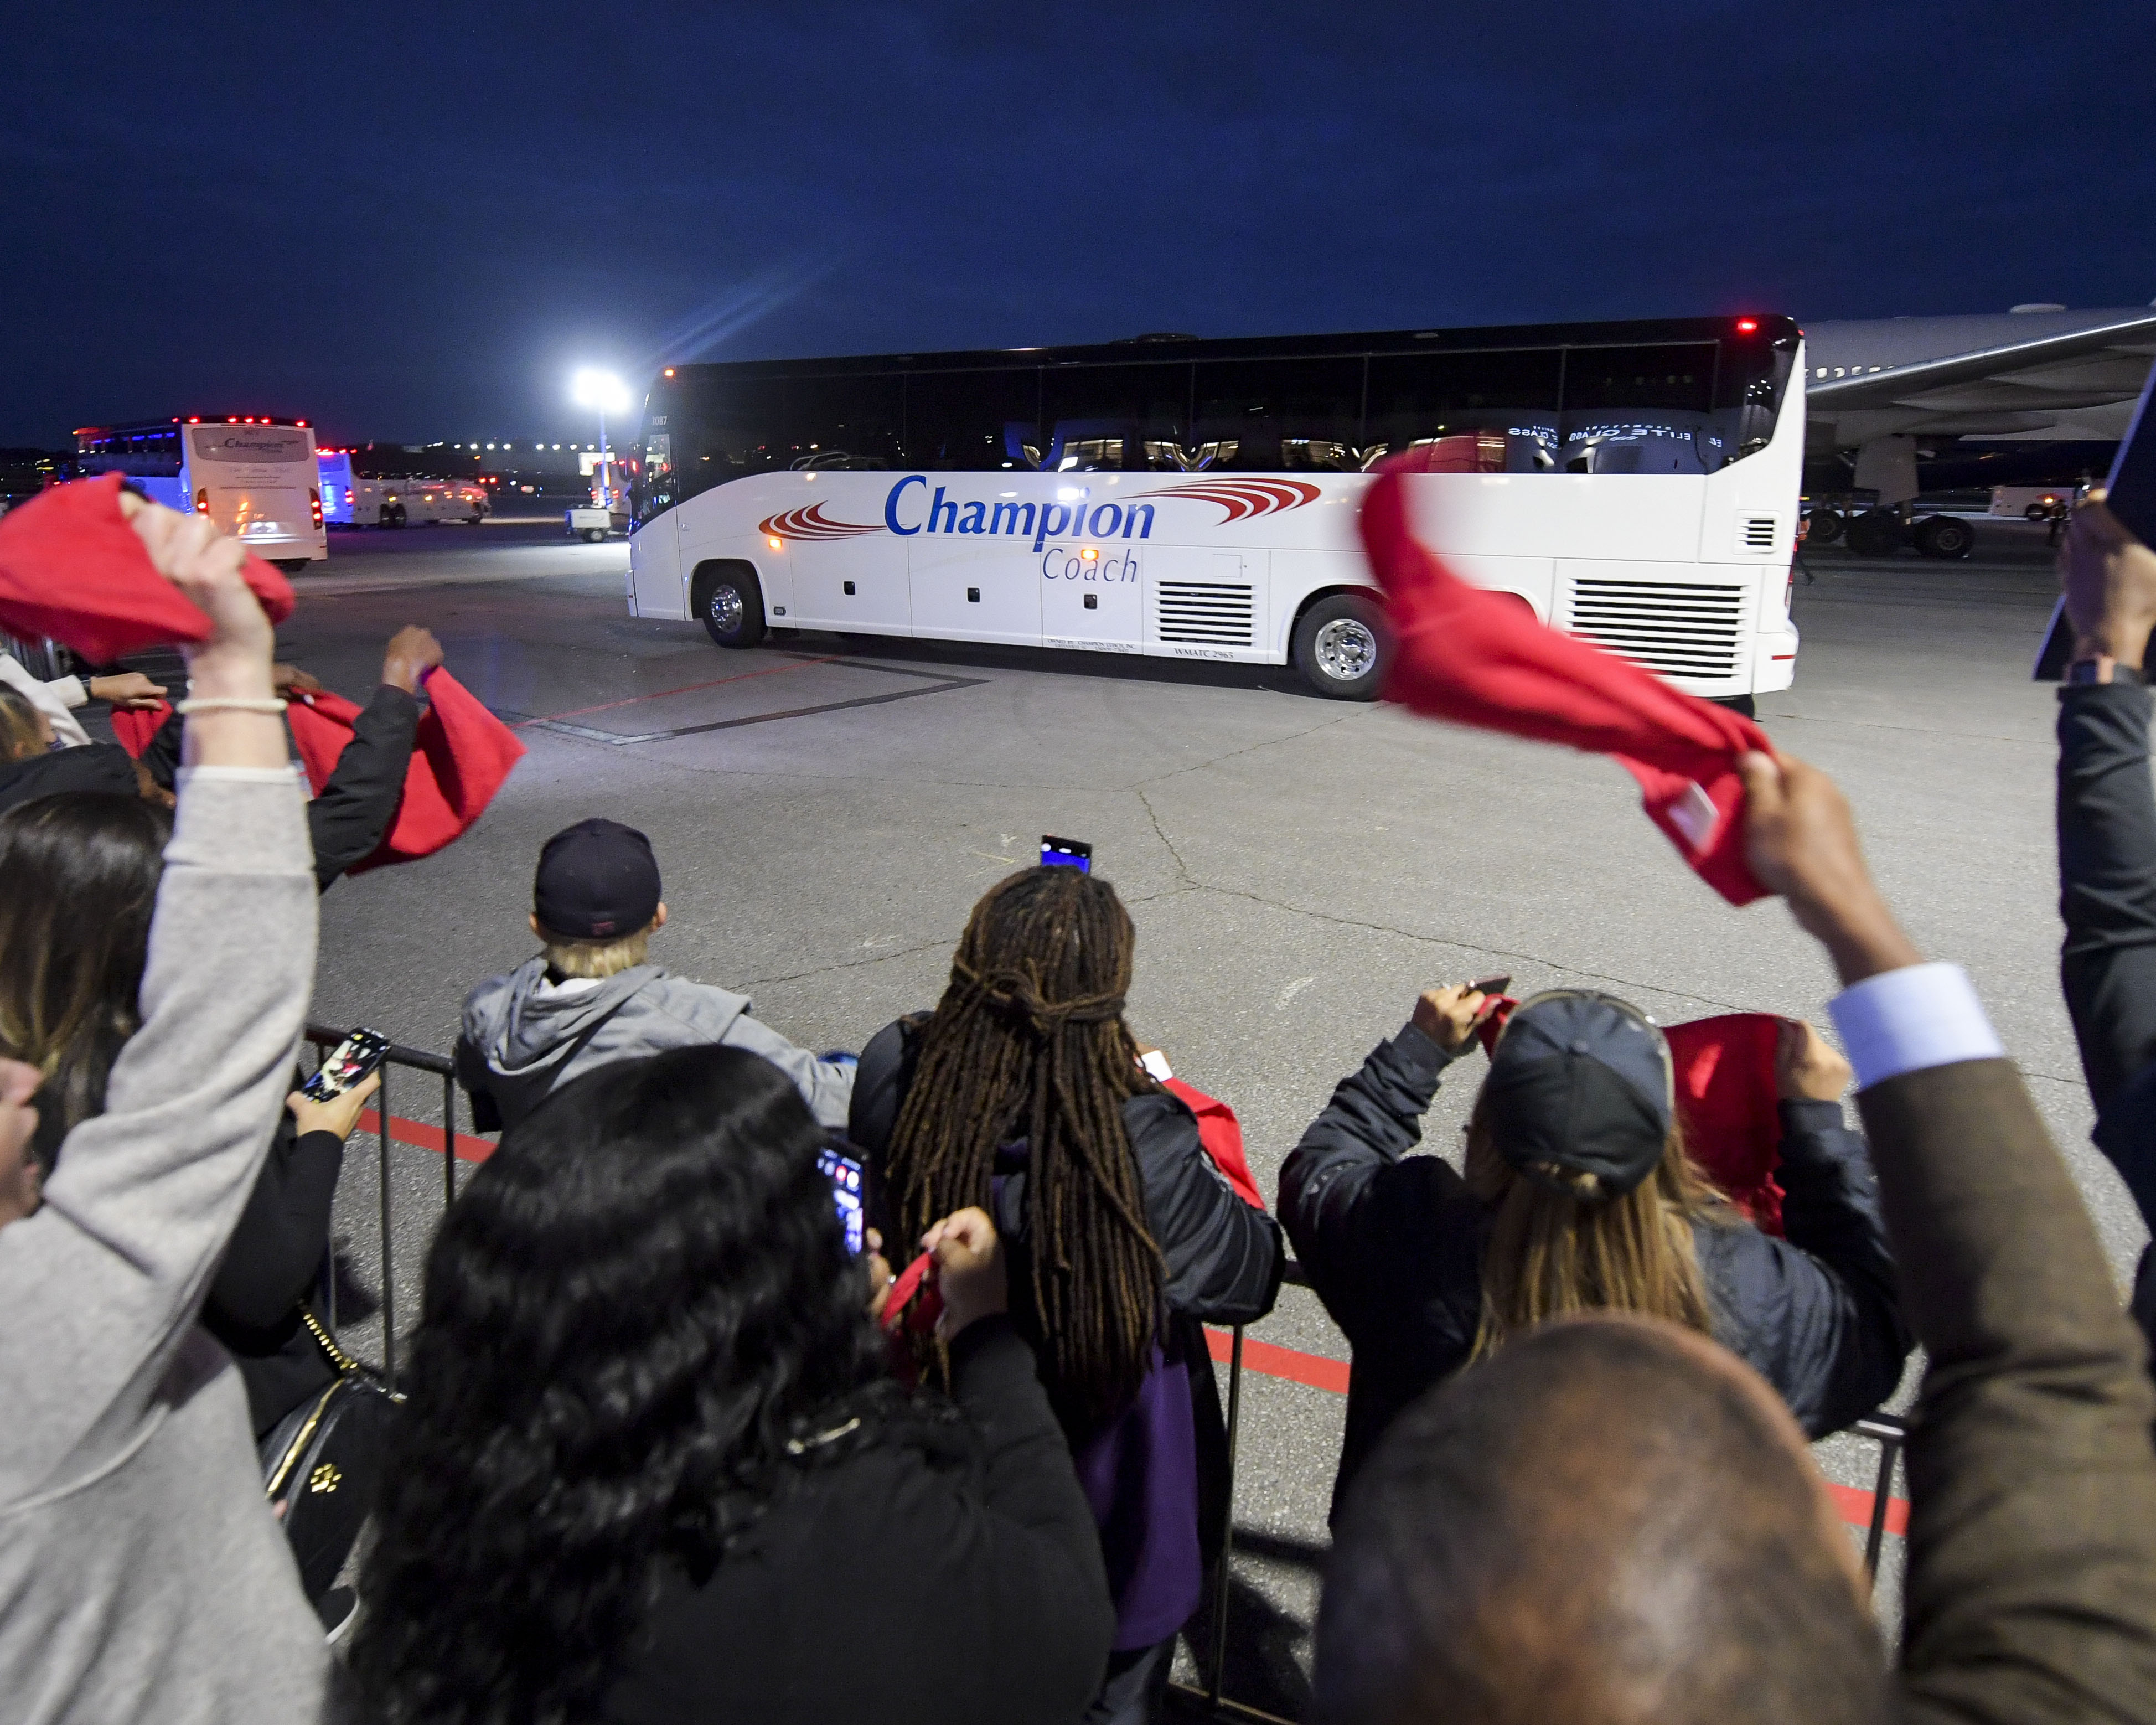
(523, 1035)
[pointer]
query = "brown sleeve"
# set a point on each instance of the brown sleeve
(2030, 1592)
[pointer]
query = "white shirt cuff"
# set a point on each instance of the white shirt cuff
(1907, 1019)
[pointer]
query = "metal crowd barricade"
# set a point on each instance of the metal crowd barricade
(418, 1060)
(1888, 1432)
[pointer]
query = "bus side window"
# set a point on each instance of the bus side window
(1640, 410)
(1105, 416)
(1264, 414)
(1423, 399)
(844, 421)
(973, 422)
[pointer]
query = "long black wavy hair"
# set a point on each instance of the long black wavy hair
(80, 873)
(640, 1317)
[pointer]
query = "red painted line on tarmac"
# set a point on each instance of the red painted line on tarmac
(420, 1136)
(1271, 1360)
(608, 706)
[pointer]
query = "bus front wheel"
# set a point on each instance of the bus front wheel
(1341, 647)
(730, 604)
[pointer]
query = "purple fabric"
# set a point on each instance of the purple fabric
(1139, 1474)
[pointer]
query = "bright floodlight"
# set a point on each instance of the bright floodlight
(601, 390)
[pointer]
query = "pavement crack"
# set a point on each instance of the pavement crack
(1160, 831)
(839, 964)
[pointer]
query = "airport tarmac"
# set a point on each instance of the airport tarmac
(826, 811)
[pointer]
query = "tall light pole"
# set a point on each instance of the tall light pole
(603, 392)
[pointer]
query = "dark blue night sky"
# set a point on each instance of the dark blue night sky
(410, 223)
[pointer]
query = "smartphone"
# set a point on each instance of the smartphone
(348, 1064)
(1065, 854)
(845, 1174)
(1490, 984)
(2129, 494)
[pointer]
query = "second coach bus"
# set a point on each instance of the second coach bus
(254, 477)
(1635, 484)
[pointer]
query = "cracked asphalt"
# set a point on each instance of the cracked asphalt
(1298, 869)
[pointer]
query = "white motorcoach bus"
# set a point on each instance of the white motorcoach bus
(1635, 483)
(254, 477)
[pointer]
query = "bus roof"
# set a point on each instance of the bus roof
(121, 427)
(1761, 327)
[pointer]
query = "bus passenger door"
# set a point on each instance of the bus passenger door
(1093, 596)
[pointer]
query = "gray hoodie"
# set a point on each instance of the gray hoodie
(523, 1035)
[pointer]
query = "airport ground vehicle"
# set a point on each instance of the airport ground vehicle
(589, 521)
(1872, 529)
(354, 500)
(255, 477)
(1635, 484)
(2034, 503)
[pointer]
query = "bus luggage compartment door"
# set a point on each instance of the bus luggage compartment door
(1093, 597)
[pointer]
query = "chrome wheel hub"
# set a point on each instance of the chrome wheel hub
(725, 609)
(1347, 650)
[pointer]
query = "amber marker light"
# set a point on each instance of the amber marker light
(1091, 555)
(774, 544)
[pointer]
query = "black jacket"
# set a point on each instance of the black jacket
(886, 1587)
(2108, 901)
(357, 805)
(275, 1257)
(1224, 1256)
(1393, 1244)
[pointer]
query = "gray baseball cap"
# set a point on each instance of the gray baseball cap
(1582, 1081)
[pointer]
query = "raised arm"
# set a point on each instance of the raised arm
(101, 1285)
(2031, 1583)
(2107, 819)
(1374, 1120)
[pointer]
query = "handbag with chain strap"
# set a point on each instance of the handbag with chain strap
(322, 1462)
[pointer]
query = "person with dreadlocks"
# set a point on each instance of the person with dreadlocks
(1024, 1092)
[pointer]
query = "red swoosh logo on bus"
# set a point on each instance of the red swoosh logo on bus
(810, 523)
(1244, 499)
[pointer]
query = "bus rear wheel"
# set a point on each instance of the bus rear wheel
(730, 604)
(1341, 647)
(292, 566)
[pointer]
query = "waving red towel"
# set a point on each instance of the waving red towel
(1726, 1097)
(1479, 659)
(459, 759)
(72, 568)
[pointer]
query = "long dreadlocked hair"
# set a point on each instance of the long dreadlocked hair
(1029, 1041)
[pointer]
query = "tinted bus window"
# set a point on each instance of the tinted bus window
(1136, 416)
(1265, 414)
(724, 429)
(973, 422)
(1494, 412)
(1642, 410)
(854, 422)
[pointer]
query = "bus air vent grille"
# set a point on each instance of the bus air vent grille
(1758, 533)
(1214, 613)
(1679, 629)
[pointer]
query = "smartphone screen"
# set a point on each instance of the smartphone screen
(845, 1174)
(346, 1065)
(1065, 854)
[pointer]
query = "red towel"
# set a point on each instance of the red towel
(1480, 658)
(72, 568)
(459, 759)
(1727, 1099)
(1221, 1134)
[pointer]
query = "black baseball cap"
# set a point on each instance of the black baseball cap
(1580, 1081)
(597, 881)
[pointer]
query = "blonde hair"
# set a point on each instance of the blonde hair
(596, 960)
(1560, 1243)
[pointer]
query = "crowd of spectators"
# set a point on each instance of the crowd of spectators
(670, 1448)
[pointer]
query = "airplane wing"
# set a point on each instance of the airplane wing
(2107, 363)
